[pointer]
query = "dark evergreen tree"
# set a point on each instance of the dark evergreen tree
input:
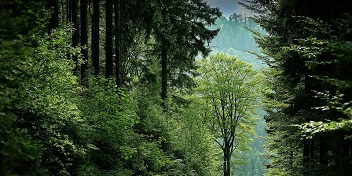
(95, 36)
(75, 37)
(108, 39)
(118, 43)
(53, 7)
(181, 32)
(84, 40)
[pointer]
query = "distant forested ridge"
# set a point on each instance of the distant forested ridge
(236, 38)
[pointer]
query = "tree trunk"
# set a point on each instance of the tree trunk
(228, 169)
(84, 40)
(163, 74)
(95, 36)
(54, 17)
(3, 169)
(322, 151)
(69, 11)
(227, 159)
(108, 38)
(306, 152)
(311, 145)
(75, 37)
(118, 35)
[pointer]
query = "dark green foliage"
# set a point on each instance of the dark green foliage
(109, 120)
(19, 18)
(45, 117)
(180, 31)
(308, 52)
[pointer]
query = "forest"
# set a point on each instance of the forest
(173, 88)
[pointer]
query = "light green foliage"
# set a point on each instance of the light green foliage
(229, 90)
(236, 38)
(254, 159)
(192, 139)
(232, 84)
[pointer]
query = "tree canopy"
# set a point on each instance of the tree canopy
(230, 91)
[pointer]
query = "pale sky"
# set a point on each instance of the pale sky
(228, 7)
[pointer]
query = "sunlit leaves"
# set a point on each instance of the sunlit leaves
(229, 89)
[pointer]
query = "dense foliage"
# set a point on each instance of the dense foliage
(92, 87)
(309, 84)
(80, 103)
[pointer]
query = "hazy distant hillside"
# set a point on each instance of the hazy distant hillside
(233, 38)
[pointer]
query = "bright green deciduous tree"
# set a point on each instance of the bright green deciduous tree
(229, 88)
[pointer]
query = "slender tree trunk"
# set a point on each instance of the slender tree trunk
(306, 152)
(75, 37)
(346, 159)
(164, 74)
(308, 147)
(118, 35)
(68, 20)
(54, 17)
(95, 36)
(108, 38)
(69, 11)
(224, 164)
(84, 40)
(228, 171)
(322, 150)
(311, 146)
(227, 159)
(3, 169)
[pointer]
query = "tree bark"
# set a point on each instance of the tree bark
(118, 36)
(311, 146)
(163, 74)
(54, 16)
(108, 38)
(306, 152)
(3, 170)
(95, 36)
(322, 150)
(75, 37)
(84, 40)
(227, 159)
(69, 11)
